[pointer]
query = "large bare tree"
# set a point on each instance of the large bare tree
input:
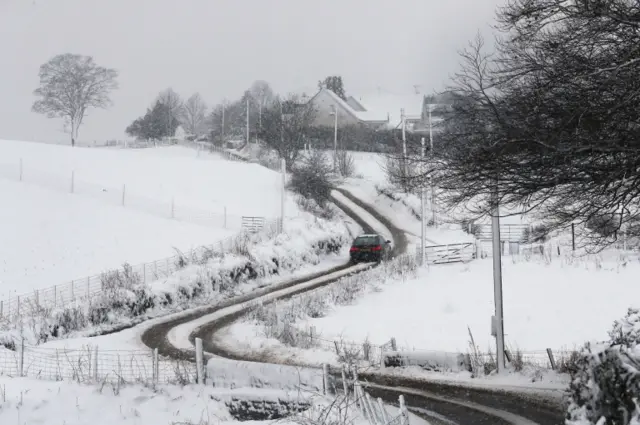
(549, 121)
(70, 85)
(194, 115)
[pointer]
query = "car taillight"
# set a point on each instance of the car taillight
(353, 249)
(376, 248)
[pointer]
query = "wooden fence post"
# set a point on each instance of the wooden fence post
(325, 379)
(156, 362)
(383, 412)
(199, 362)
(95, 364)
(21, 359)
(345, 386)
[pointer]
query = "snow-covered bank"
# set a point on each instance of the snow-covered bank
(126, 299)
(30, 401)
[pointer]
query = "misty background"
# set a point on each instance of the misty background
(219, 47)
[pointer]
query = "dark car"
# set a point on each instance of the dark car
(369, 248)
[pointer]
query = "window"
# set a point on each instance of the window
(367, 240)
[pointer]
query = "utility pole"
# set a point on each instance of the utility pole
(248, 135)
(335, 139)
(404, 144)
(283, 191)
(433, 193)
(498, 319)
(281, 125)
(423, 208)
(222, 129)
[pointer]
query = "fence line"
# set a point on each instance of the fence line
(85, 289)
(349, 352)
(92, 364)
(121, 196)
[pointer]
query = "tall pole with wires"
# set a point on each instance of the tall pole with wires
(433, 195)
(248, 138)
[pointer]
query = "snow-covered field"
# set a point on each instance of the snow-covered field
(54, 237)
(553, 302)
(57, 236)
(556, 305)
(192, 179)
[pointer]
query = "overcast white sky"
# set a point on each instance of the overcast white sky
(219, 47)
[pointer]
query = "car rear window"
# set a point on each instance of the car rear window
(366, 241)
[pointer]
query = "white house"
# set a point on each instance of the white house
(326, 103)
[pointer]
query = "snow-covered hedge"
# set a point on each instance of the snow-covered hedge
(127, 300)
(605, 378)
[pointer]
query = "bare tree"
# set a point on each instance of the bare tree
(194, 114)
(286, 127)
(263, 96)
(174, 107)
(550, 121)
(70, 85)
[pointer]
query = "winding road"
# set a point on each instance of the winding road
(438, 402)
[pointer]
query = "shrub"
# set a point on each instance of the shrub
(536, 234)
(311, 206)
(312, 178)
(605, 379)
(605, 225)
(345, 164)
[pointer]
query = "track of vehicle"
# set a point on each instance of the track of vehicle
(438, 402)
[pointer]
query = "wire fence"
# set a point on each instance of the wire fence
(169, 208)
(91, 364)
(83, 290)
(390, 354)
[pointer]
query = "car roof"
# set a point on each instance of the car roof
(368, 235)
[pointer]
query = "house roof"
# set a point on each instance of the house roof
(389, 104)
(365, 116)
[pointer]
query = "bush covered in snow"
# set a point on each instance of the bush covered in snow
(126, 299)
(312, 178)
(605, 379)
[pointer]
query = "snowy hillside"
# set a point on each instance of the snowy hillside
(57, 236)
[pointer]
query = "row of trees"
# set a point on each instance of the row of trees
(71, 85)
(169, 112)
(226, 120)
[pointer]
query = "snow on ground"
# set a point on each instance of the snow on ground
(403, 217)
(549, 303)
(129, 339)
(31, 401)
(193, 179)
(369, 175)
(56, 237)
(369, 166)
(546, 305)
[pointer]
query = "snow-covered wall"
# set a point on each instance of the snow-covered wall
(240, 374)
